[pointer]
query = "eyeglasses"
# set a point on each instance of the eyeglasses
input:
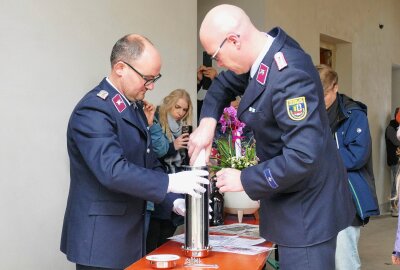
(214, 56)
(147, 80)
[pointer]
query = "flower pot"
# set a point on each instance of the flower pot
(238, 203)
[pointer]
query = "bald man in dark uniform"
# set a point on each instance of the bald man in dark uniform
(300, 179)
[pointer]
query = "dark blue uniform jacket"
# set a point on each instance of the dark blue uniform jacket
(300, 179)
(113, 172)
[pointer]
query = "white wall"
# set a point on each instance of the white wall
(52, 52)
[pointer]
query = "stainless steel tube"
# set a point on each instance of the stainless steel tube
(196, 222)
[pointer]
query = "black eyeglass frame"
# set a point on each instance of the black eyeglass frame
(214, 56)
(144, 77)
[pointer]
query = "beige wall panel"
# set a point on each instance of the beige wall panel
(373, 52)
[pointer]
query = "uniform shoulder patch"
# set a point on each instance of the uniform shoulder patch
(296, 108)
(280, 60)
(119, 103)
(262, 73)
(103, 94)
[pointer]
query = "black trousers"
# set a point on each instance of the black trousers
(85, 267)
(159, 231)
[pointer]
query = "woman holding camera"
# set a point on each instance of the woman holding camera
(170, 146)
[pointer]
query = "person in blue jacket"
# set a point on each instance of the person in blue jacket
(170, 146)
(300, 179)
(113, 168)
(349, 124)
(393, 158)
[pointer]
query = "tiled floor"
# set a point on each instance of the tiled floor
(376, 244)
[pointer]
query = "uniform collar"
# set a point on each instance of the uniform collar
(116, 89)
(260, 57)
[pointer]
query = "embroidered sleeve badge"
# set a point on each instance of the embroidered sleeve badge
(296, 108)
(270, 180)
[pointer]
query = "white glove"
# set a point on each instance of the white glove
(179, 207)
(188, 182)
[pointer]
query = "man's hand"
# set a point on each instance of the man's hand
(149, 110)
(398, 152)
(229, 180)
(188, 182)
(202, 138)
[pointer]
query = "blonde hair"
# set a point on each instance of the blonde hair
(328, 76)
(168, 103)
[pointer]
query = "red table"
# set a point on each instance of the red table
(225, 261)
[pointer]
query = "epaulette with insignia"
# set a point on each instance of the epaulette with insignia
(280, 60)
(103, 94)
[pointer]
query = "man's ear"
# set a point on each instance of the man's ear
(336, 88)
(235, 39)
(119, 68)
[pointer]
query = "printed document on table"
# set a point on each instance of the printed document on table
(228, 243)
(240, 229)
(245, 250)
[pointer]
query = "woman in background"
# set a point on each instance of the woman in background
(170, 146)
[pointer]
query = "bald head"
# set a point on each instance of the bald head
(222, 20)
(228, 34)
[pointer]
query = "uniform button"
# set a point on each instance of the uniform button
(148, 150)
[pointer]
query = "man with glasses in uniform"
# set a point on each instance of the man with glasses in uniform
(113, 168)
(300, 179)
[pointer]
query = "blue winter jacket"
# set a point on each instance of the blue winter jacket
(162, 147)
(353, 140)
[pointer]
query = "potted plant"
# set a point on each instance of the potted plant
(232, 149)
